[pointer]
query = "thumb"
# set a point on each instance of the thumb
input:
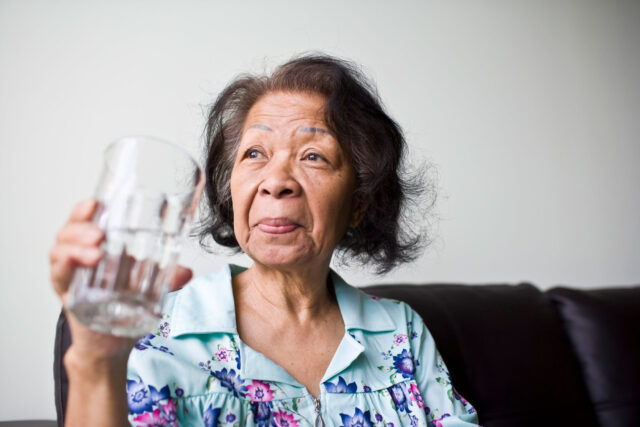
(181, 276)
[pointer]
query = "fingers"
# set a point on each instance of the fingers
(65, 258)
(181, 277)
(80, 233)
(83, 211)
(77, 244)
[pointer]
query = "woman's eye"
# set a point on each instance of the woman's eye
(313, 157)
(253, 154)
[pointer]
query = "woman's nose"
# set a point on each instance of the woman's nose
(279, 181)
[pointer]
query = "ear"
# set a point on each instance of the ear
(357, 214)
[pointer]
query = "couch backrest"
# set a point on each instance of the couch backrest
(506, 351)
(603, 326)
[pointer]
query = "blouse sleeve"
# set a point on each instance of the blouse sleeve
(444, 406)
(150, 401)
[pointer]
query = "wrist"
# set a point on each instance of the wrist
(97, 390)
(86, 367)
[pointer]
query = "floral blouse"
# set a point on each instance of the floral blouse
(195, 371)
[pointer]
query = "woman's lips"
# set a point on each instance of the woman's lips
(276, 225)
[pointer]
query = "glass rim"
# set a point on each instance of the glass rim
(195, 192)
(153, 140)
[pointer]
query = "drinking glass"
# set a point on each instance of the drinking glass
(147, 195)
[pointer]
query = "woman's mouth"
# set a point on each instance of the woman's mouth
(277, 225)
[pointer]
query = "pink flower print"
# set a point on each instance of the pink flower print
(399, 339)
(416, 396)
(437, 423)
(165, 328)
(284, 419)
(260, 392)
(164, 416)
(459, 397)
(223, 354)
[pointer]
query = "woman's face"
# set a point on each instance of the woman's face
(291, 183)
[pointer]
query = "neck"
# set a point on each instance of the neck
(301, 294)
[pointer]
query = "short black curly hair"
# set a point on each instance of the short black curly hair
(355, 116)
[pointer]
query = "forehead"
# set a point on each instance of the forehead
(286, 109)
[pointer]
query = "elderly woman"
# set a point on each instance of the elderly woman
(300, 164)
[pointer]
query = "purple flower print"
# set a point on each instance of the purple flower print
(157, 396)
(231, 381)
(412, 334)
(163, 349)
(259, 391)
(403, 362)
(359, 419)
(235, 346)
(210, 417)
(261, 413)
(354, 338)
(340, 387)
(205, 366)
(378, 417)
(366, 388)
(230, 418)
(145, 342)
(179, 392)
(138, 397)
(400, 396)
(387, 355)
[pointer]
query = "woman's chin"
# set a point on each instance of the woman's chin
(283, 258)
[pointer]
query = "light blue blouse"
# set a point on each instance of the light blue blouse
(194, 370)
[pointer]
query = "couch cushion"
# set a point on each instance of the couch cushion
(61, 381)
(604, 327)
(506, 351)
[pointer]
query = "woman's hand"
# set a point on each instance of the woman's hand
(78, 245)
(96, 363)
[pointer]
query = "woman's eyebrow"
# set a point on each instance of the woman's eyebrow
(261, 127)
(313, 130)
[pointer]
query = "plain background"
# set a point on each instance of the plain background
(529, 111)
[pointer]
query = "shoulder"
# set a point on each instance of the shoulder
(361, 310)
(204, 305)
(200, 287)
(396, 327)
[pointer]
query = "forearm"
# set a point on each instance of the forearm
(97, 392)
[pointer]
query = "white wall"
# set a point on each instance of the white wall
(529, 109)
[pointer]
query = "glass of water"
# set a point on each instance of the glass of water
(147, 195)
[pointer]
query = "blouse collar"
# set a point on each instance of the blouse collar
(206, 305)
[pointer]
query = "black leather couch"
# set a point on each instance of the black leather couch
(522, 357)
